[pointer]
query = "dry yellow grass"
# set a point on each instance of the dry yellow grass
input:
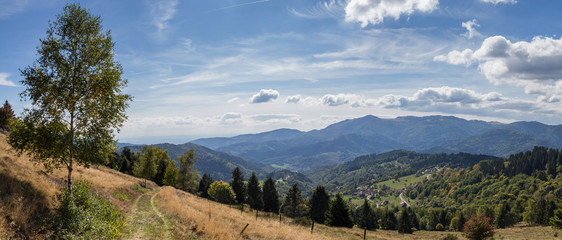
(28, 193)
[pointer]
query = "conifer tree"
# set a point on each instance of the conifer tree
(270, 196)
(319, 204)
(255, 195)
(204, 185)
(238, 186)
(366, 217)
(292, 202)
(6, 116)
(388, 220)
(338, 213)
(404, 222)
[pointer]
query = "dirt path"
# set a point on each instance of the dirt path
(146, 221)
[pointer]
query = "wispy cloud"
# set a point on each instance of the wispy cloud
(332, 8)
(162, 12)
(4, 80)
(499, 1)
(238, 5)
(8, 8)
(470, 27)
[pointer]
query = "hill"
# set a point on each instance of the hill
(373, 168)
(343, 141)
(218, 165)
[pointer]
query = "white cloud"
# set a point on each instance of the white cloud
(231, 118)
(4, 80)
(534, 65)
(470, 28)
(499, 1)
(374, 11)
(162, 11)
(332, 8)
(233, 100)
(9, 8)
(348, 99)
(264, 95)
(293, 99)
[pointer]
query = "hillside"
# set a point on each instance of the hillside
(215, 163)
(368, 169)
(343, 141)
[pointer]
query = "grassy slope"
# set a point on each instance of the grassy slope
(27, 193)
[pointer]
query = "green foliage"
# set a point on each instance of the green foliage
(171, 175)
(147, 165)
(255, 195)
(187, 178)
(387, 219)
(74, 88)
(222, 192)
(366, 217)
(319, 204)
(294, 206)
(404, 222)
(270, 196)
(204, 185)
(6, 116)
(238, 186)
(478, 227)
(82, 214)
(338, 213)
(556, 220)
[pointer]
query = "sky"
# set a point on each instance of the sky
(210, 68)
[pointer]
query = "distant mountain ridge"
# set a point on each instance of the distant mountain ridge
(345, 140)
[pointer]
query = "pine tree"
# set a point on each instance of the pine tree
(204, 185)
(338, 213)
(319, 204)
(6, 116)
(292, 201)
(270, 196)
(238, 186)
(255, 195)
(366, 217)
(388, 220)
(404, 222)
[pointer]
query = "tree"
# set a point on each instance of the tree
(162, 161)
(255, 195)
(130, 160)
(270, 196)
(187, 177)
(478, 227)
(238, 186)
(292, 204)
(75, 92)
(366, 217)
(404, 223)
(319, 204)
(388, 220)
(222, 192)
(171, 175)
(338, 213)
(556, 220)
(147, 164)
(204, 185)
(6, 116)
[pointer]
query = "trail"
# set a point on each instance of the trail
(402, 199)
(146, 221)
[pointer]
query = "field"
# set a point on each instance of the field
(28, 193)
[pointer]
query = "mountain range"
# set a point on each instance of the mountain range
(343, 141)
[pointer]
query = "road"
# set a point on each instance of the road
(402, 199)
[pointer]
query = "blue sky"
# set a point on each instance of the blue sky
(205, 68)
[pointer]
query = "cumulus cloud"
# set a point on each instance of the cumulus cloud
(458, 100)
(231, 118)
(534, 64)
(499, 1)
(4, 80)
(264, 95)
(470, 28)
(162, 12)
(293, 99)
(374, 11)
(341, 99)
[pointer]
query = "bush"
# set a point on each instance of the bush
(303, 221)
(82, 214)
(478, 227)
(222, 192)
(450, 237)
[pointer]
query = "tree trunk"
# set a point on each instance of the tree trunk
(70, 176)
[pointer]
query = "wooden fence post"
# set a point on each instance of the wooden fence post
(365, 234)
(244, 228)
(312, 228)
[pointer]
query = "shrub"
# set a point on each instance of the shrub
(450, 237)
(478, 227)
(82, 214)
(222, 192)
